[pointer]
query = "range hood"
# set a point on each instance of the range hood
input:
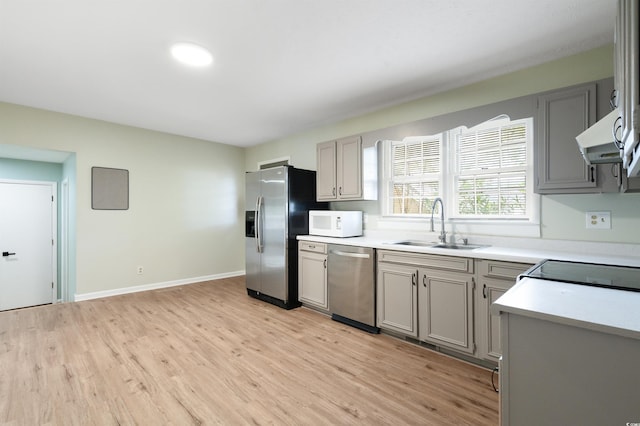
(596, 143)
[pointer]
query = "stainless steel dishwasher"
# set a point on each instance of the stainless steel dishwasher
(352, 286)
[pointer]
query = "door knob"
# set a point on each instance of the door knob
(6, 253)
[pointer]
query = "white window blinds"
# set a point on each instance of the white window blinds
(490, 172)
(416, 167)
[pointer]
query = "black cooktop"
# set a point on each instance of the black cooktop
(593, 274)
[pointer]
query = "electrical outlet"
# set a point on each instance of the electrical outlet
(598, 220)
(140, 270)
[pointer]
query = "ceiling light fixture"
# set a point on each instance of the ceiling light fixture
(191, 54)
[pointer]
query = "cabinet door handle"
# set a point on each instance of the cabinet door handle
(424, 280)
(613, 99)
(333, 191)
(616, 128)
(484, 291)
(340, 190)
(325, 264)
(592, 170)
(414, 277)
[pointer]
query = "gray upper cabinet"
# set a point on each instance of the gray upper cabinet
(561, 116)
(339, 175)
(326, 174)
(346, 171)
(560, 168)
(628, 184)
(626, 70)
(349, 173)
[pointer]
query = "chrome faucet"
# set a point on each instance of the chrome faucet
(443, 235)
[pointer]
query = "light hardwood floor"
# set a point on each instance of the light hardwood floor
(208, 354)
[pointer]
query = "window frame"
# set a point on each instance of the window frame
(527, 225)
(387, 181)
(528, 169)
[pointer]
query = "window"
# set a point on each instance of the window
(416, 173)
(490, 173)
(482, 173)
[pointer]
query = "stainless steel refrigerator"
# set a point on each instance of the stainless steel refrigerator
(277, 204)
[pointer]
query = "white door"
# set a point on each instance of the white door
(27, 244)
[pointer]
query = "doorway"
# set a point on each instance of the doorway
(28, 243)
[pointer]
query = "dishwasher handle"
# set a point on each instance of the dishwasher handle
(350, 254)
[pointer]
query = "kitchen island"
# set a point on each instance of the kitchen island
(571, 354)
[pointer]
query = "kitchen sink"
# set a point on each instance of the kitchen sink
(414, 243)
(457, 246)
(435, 245)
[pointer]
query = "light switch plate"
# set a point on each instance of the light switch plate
(598, 220)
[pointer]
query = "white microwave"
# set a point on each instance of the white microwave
(333, 223)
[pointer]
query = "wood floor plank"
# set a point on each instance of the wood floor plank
(208, 354)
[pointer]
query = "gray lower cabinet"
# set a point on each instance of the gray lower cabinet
(397, 298)
(557, 374)
(312, 275)
(494, 279)
(427, 296)
(445, 309)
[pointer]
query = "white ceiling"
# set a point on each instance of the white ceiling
(281, 66)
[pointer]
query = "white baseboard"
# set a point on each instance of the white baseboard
(154, 286)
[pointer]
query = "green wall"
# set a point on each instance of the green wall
(592, 65)
(185, 220)
(562, 216)
(30, 170)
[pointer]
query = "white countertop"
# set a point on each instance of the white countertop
(574, 253)
(600, 309)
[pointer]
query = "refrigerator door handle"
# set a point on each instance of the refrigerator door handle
(258, 229)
